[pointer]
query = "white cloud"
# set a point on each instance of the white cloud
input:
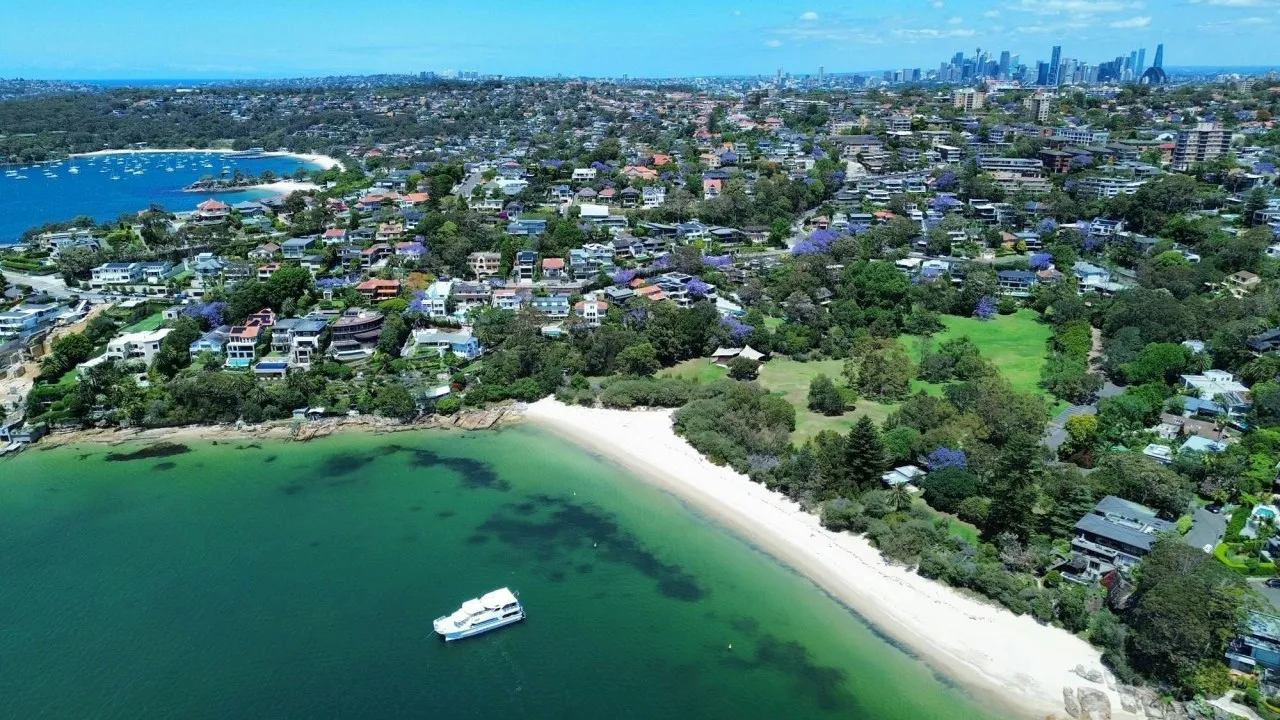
(917, 34)
(1235, 3)
(955, 20)
(1236, 24)
(1138, 21)
(992, 13)
(939, 4)
(773, 43)
(1076, 7)
(737, 13)
(809, 16)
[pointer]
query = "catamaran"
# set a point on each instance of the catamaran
(480, 615)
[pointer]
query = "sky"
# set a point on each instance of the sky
(136, 39)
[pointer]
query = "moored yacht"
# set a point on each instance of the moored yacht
(480, 615)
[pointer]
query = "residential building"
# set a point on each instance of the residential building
(510, 298)
(242, 343)
(1221, 388)
(484, 264)
(1257, 648)
(115, 274)
(1039, 105)
(25, 319)
(434, 340)
(374, 254)
(966, 99)
(1242, 282)
(1056, 161)
(1016, 283)
(213, 341)
(591, 311)
(435, 299)
(553, 268)
(355, 334)
(295, 248)
(1107, 186)
(526, 263)
(652, 197)
(556, 306)
(1201, 144)
(1115, 536)
(211, 212)
(136, 345)
(379, 289)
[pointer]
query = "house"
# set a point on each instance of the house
(213, 341)
(1090, 277)
(905, 475)
(652, 197)
(1016, 283)
(1221, 388)
(25, 319)
(333, 236)
(295, 248)
(265, 251)
(1116, 535)
(266, 271)
(313, 264)
(388, 232)
(711, 188)
(374, 254)
(510, 298)
(591, 311)
(468, 295)
(211, 212)
(1242, 282)
(115, 274)
(527, 227)
(412, 250)
(242, 343)
(484, 264)
(586, 174)
(525, 264)
(435, 299)
(355, 334)
(723, 355)
(629, 197)
(378, 289)
(1257, 648)
(136, 345)
(552, 268)
(459, 342)
(556, 306)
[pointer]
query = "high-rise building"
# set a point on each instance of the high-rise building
(1054, 61)
(1004, 64)
(822, 73)
(778, 80)
(1038, 104)
(1142, 62)
(1133, 60)
(1202, 144)
(968, 99)
(1159, 56)
(1042, 73)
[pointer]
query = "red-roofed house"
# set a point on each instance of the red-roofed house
(591, 311)
(378, 289)
(552, 267)
(211, 211)
(711, 188)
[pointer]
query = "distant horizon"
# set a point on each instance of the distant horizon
(177, 81)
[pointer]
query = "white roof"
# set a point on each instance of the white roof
(498, 598)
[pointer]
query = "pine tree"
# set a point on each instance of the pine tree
(1013, 502)
(865, 455)
(1077, 502)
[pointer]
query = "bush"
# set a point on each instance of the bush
(646, 392)
(840, 514)
(1239, 517)
(448, 405)
(825, 397)
(1184, 524)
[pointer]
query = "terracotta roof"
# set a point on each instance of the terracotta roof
(553, 263)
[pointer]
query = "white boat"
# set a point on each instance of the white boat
(480, 615)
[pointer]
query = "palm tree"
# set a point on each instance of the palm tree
(900, 496)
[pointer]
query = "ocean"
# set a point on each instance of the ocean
(291, 580)
(37, 199)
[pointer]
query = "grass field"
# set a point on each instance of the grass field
(1015, 343)
(791, 380)
(150, 322)
(699, 369)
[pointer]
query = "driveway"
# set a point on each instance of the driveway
(1207, 529)
(1056, 433)
(1271, 594)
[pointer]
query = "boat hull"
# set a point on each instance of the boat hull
(451, 635)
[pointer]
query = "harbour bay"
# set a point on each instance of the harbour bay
(30, 198)
(300, 580)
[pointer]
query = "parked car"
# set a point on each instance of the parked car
(1273, 583)
(1215, 509)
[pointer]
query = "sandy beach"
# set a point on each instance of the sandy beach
(283, 187)
(1009, 661)
(324, 161)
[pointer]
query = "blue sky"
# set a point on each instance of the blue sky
(93, 39)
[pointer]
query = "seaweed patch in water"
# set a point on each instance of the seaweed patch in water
(270, 458)
(827, 686)
(474, 473)
(571, 528)
(159, 450)
(161, 467)
(250, 446)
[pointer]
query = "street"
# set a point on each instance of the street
(1207, 528)
(51, 284)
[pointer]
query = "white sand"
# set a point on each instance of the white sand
(1007, 660)
(283, 187)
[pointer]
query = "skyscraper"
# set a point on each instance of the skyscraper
(1159, 56)
(1054, 61)
(1042, 73)
(1004, 64)
(1142, 62)
(1133, 60)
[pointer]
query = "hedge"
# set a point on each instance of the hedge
(1239, 517)
(1263, 570)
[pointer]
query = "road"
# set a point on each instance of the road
(469, 184)
(51, 284)
(1207, 529)
(1056, 433)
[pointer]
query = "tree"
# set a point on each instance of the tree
(741, 368)
(886, 372)
(1187, 607)
(825, 397)
(1136, 477)
(1158, 363)
(865, 454)
(946, 488)
(396, 401)
(640, 360)
(175, 349)
(393, 336)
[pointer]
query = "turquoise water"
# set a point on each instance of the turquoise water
(300, 581)
(39, 199)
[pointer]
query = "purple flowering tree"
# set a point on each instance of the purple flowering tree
(718, 261)
(209, 314)
(945, 457)
(819, 241)
(1265, 168)
(697, 288)
(661, 263)
(1046, 226)
(418, 304)
(986, 308)
(599, 166)
(1093, 243)
(1041, 260)
(1083, 160)
(624, 277)
(944, 203)
(738, 330)
(946, 182)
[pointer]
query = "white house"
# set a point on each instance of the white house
(586, 174)
(137, 346)
(436, 297)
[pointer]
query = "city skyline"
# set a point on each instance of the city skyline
(734, 38)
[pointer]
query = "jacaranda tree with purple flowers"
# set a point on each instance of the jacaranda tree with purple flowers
(209, 314)
(1041, 260)
(819, 241)
(1047, 225)
(738, 330)
(946, 182)
(945, 457)
(624, 276)
(697, 288)
(986, 308)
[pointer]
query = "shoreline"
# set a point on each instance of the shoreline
(324, 161)
(1008, 661)
(282, 429)
(282, 187)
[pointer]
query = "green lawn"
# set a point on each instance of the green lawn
(1015, 343)
(699, 369)
(151, 322)
(791, 380)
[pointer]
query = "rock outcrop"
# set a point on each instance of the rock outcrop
(1069, 701)
(1094, 704)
